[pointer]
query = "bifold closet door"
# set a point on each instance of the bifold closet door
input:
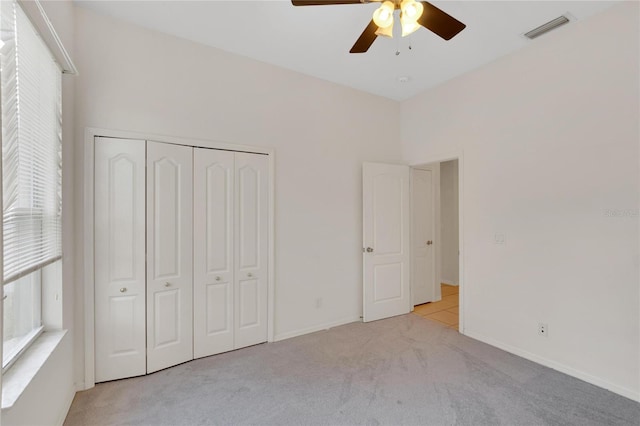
(230, 250)
(251, 249)
(169, 255)
(119, 258)
(213, 219)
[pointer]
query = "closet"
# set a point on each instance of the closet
(180, 254)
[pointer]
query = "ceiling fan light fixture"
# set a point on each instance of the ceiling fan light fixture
(386, 31)
(413, 15)
(409, 26)
(383, 16)
(411, 9)
(410, 12)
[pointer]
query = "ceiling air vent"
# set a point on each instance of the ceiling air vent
(545, 28)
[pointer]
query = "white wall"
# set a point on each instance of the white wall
(549, 137)
(449, 268)
(47, 398)
(138, 80)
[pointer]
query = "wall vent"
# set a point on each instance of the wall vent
(545, 28)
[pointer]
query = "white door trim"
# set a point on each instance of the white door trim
(88, 273)
(454, 155)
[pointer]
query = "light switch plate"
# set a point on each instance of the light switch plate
(499, 238)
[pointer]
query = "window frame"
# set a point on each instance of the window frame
(31, 336)
(38, 270)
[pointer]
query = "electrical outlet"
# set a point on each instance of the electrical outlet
(319, 303)
(543, 329)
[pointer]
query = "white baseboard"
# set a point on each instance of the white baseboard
(81, 386)
(68, 401)
(448, 282)
(627, 393)
(313, 329)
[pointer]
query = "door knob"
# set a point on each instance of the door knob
(167, 284)
(249, 275)
(123, 289)
(369, 250)
(429, 242)
(217, 278)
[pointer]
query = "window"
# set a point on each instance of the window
(22, 318)
(31, 174)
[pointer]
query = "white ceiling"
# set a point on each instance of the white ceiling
(315, 40)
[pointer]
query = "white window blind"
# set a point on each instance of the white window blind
(31, 147)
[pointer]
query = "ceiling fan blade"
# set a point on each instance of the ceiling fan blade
(366, 39)
(441, 23)
(323, 2)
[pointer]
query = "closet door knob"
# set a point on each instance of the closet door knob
(123, 289)
(249, 275)
(167, 284)
(217, 278)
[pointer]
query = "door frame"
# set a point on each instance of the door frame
(88, 227)
(454, 155)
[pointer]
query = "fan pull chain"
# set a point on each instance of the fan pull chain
(398, 51)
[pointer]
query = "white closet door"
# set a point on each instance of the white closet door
(251, 248)
(169, 255)
(119, 258)
(213, 190)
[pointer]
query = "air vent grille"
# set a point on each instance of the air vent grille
(545, 28)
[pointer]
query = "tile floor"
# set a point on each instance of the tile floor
(444, 311)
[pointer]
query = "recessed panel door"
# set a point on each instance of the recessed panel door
(386, 247)
(169, 255)
(251, 248)
(213, 219)
(119, 258)
(423, 235)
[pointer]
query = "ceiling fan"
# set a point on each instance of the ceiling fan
(413, 14)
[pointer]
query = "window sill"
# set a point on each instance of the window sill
(18, 377)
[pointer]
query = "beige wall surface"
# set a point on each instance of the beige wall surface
(449, 222)
(138, 80)
(549, 137)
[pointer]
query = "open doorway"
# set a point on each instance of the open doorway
(435, 258)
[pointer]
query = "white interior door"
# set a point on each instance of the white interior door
(169, 252)
(213, 266)
(386, 253)
(423, 235)
(251, 248)
(119, 259)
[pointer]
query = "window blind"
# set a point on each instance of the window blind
(31, 147)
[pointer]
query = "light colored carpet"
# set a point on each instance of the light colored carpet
(400, 371)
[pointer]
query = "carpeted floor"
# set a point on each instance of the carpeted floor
(400, 371)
